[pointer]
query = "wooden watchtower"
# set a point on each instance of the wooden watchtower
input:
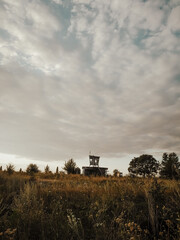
(94, 168)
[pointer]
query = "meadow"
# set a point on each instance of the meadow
(75, 207)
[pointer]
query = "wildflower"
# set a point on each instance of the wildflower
(7, 231)
(146, 231)
(139, 228)
(131, 228)
(117, 220)
(168, 222)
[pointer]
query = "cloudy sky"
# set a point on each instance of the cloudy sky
(88, 75)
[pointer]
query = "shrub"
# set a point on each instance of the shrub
(32, 168)
(10, 169)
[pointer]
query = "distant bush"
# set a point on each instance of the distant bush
(10, 169)
(77, 170)
(117, 173)
(32, 168)
(47, 169)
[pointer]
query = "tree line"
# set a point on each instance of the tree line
(147, 166)
(70, 167)
(143, 166)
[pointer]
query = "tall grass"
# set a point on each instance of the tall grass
(79, 207)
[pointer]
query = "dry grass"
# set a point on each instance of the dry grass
(79, 207)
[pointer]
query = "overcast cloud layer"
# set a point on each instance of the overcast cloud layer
(83, 75)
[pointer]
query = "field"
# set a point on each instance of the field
(77, 207)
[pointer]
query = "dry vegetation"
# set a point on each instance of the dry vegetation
(79, 207)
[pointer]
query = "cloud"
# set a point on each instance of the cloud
(58, 1)
(31, 28)
(100, 76)
(174, 19)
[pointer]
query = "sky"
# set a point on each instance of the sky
(88, 76)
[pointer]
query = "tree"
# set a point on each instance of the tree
(70, 166)
(47, 169)
(57, 170)
(77, 170)
(10, 168)
(144, 165)
(117, 173)
(170, 166)
(32, 168)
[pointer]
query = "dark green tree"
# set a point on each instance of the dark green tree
(77, 170)
(10, 168)
(32, 168)
(170, 166)
(144, 165)
(70, 166)
(47, 169)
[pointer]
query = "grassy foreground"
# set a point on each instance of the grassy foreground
(79, 207)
